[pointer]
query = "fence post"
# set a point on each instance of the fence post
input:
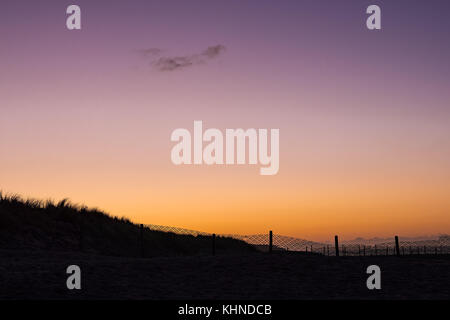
(213, 244)
(364, 250)
(397, 246)
(376, 253)
(336, 245)
(270, 241)
(328, 250)
(141, 238)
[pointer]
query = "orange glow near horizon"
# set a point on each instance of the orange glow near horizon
(312, 205)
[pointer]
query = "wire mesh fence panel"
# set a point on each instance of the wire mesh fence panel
(286, 243)
(176, 230)
(428, 246)
(259, 241)
(367, 247)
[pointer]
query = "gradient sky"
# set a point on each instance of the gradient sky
(363, 115)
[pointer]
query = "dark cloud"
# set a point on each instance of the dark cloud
(174, 63)
(214, 51)
(167, 63)
(150, 52)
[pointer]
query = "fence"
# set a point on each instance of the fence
(358, 247)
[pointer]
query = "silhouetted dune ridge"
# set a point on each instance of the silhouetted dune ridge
(30, 224)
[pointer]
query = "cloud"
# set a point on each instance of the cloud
(214, 51)
(172, 63)
(150, 52)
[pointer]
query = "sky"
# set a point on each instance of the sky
(363, 115)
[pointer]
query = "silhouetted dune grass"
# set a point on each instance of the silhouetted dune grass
(30, 224)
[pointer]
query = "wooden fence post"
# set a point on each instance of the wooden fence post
(141, 239)
(213, 244)
(397, 246)
(336, 245)
(270, 241)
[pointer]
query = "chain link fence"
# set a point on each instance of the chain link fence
(176, 230)
(391, 246)
(357, 247)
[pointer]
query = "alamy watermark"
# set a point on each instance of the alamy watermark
(235, 149)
